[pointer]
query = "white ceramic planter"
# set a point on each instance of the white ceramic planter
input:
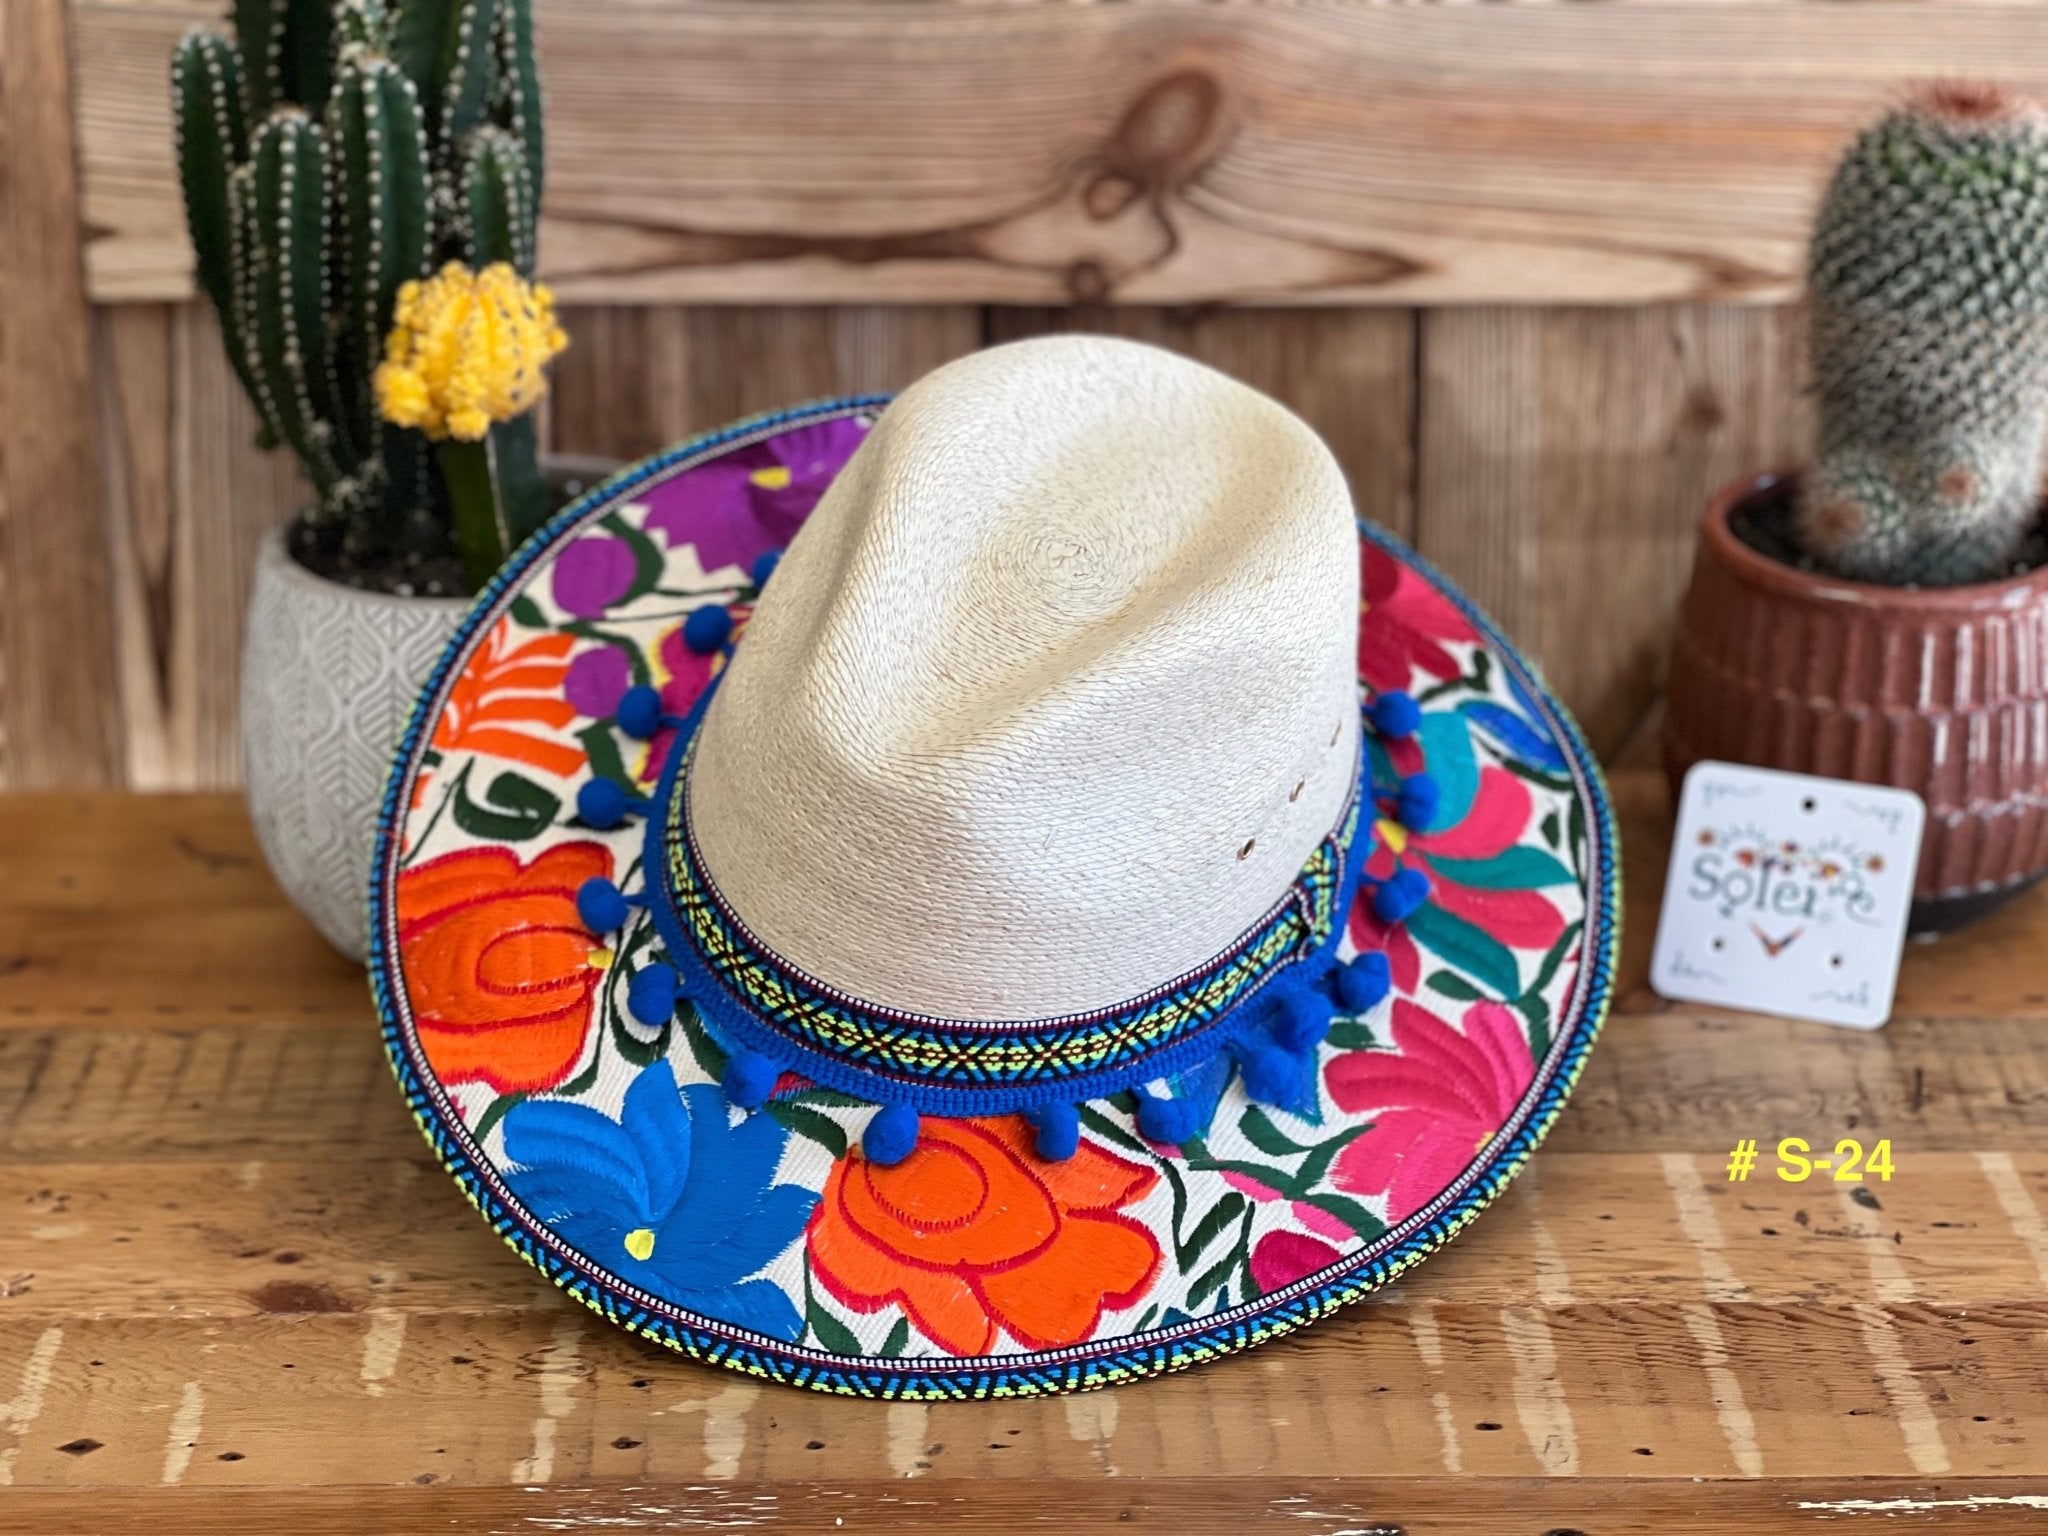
(329, 677)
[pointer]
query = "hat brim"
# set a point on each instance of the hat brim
(602, 1151)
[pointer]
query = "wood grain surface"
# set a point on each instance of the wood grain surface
(1561, 466)
(637, 379)
(236, 1292)
(1156, 151)
(56, 660)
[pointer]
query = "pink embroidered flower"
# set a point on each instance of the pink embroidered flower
(1406, 623)
(1439, 1097)
(1456, 860)
(1281, 1258)
(1315, 1218)
(683, 677)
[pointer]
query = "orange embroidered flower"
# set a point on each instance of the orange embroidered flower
(509, 700)
(972, 1233)
(498, 966)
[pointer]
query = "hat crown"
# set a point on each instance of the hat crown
(1051, 698)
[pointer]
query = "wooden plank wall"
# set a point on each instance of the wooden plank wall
(1553, 460)
(1531, 269)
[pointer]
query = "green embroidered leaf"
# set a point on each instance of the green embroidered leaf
(1212, 1280)
(899, 1337)
(1180, 1198)
(601, 746)
(1552, 832)
(1451, 984)
(1558, 951)
(1110, 1131)
(1517, 869)
(581, 1082)
(1317, 1163)
(1481, 956)
(1209, 1228)
(832, 1335)
(710, 1057)
(528, 613)
(1449, 685)
(831, 1098)
(495, 1111)
(1348, 1211)
(625, 1037)
(795, 1118)
(1352, 1035)
(1258, 1173)
(641, 1053)
(515, 809)
(1537, 1012)
(1551, 782)
(648, 563)
(1261, 1132)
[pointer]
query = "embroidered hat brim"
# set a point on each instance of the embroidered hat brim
(596, 1137)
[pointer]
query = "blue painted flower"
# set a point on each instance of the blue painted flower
(673, 1198)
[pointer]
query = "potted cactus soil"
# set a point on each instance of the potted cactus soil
(362, 180)
(1883, 616)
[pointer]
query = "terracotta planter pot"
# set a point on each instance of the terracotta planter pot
(1943, 691)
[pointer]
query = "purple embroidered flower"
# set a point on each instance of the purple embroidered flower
(754, 499)
(596, 680)
(592, 574)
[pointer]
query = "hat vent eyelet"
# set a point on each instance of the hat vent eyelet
(1246, 851)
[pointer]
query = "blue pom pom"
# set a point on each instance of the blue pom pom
(1395, 714)
(651, 994)
(1416, 804)
(1302, 1020)
(603, 804)
(1167, 1121)
(601, 906)
(764, 566)
(891, 1136)
(639, 713)
(1271, 1075)
(707, 629)
(1364, 982)
(1397, 898)
(750, 1078)
(1059, 1130)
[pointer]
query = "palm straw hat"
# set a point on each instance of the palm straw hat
(1010, 890)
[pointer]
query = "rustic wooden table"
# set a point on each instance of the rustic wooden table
(236, 1293)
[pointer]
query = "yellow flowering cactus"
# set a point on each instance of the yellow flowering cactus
(467, 349)
(363, 184)
(465, 362)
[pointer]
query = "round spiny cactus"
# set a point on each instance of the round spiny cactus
(1929, 287)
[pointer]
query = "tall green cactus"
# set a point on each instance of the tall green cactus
(330, 152)
(1929, 285)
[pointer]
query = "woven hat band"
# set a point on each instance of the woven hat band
(763, 1002)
